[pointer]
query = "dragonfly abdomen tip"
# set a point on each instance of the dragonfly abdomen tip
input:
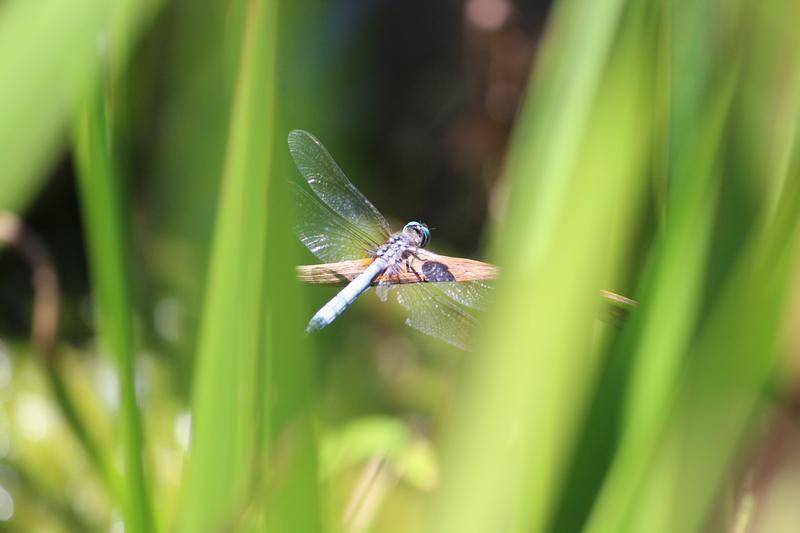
(316, 322)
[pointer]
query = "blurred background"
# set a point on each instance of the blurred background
(154, 375)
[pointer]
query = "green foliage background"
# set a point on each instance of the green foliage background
(655, 154)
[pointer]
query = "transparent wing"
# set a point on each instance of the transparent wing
(472, 294)
(326, 234)
(446, 310)
(330, 184)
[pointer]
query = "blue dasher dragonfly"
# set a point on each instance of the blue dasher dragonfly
(341, 227)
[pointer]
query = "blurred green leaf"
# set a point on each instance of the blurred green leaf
(669, 316)
(102, 201)
(360, 440)
(232, 378)
(49, 53)
(719, 402)
(576, 172)
(389, 439)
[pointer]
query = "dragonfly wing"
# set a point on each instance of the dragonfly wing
(444, 310)
(471, 294)
(330, 184)
(325, 233)
(382, 290)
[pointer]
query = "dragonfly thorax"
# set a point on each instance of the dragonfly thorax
(402, 244)
(395, 250)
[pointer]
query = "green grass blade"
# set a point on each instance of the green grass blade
(722, 395)
(231, 362)
(576, 173)
(102, 202)
(558, 103)
(720, 400)
(290, 497)
(667, 322)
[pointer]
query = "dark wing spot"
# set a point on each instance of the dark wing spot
(436, 271)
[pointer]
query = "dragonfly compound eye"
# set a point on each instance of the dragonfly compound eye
(420, 230)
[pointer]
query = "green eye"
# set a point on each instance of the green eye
(426, 235)
(421, 229)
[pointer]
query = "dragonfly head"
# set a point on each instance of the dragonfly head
(418, 233)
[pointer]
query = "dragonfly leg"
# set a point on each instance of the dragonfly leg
(396, 273)
(409, 264)
(389, 277)
(391, 273)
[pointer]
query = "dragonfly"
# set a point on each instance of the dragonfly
(443, 296)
